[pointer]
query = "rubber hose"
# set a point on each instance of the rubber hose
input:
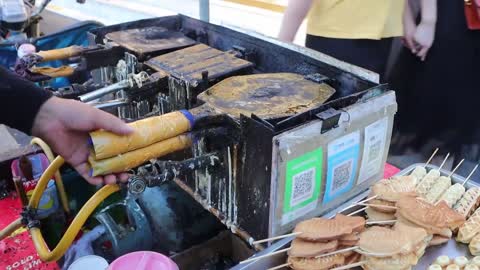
(42, 249)
(7, 231)
(43, 181)
(58, 177)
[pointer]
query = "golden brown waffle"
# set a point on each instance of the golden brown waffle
(390, 263)
(327, 262)
(470, 228)
(322, 229)
(393, 189)
(427, 182)
(349, 240)
(388, 210)
(469, 202)
(374, 215)
(439, 187)
(429, 216)
(474, 245)
(453, 194)
(385, 242)
(302, 248)
(438, 240)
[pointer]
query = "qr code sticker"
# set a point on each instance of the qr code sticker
(374, 151)
(303, 185)
(341, 175)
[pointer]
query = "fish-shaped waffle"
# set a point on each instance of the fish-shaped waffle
(302, 248)
(431, 217)
(323, 229)
(385, 242)
(393, 189)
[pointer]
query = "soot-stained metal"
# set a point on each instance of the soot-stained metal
(238, 190)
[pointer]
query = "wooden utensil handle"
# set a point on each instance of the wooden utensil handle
(59, 54)
(147, 132)
(135, 158)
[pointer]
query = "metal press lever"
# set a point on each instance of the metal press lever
(162, 171)
(133, 80)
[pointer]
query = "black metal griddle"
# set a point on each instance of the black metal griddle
(150, 40)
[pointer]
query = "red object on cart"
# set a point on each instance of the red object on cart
(390, 171)
(17, 252)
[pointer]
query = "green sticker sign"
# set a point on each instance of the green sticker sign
(302, 185)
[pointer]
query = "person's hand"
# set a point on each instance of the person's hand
(409, 29)
(423, 39)
(65, 125)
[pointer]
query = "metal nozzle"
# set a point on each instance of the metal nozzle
(133, 80)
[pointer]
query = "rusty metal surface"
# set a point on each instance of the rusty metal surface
(150, 39)
(189, 63)
(266, 95)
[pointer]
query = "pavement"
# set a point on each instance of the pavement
(223, 13)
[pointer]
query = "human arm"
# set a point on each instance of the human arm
(409, 27)
(425, 33)
(20, 101)
(292, 19)
(63, 124)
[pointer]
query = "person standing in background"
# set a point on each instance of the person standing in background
(359, 32)
(437, 88)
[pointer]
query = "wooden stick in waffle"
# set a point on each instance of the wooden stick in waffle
(419, 172)
(468, 230)
(468, 203)
(436, 191)
(429, 180)
(455, 192)
(441, 186)
(381, 206)
(470, 175)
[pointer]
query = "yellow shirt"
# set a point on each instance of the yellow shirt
(356, 19)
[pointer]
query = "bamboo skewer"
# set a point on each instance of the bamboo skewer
(265, 256)
(444, 160)
(349, 266)
(275, 238)
(355, 204)
(378, 205)
(431, 157)
(279, 266)
(470, 175)
(336, 252)
(380, 222)
(358, 211)
(298, 233)
(456, 168)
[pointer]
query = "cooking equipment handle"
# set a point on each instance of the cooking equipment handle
(147, 132)
(59, 54)
(129, 160)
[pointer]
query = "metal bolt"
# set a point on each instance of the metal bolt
(136, 185)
